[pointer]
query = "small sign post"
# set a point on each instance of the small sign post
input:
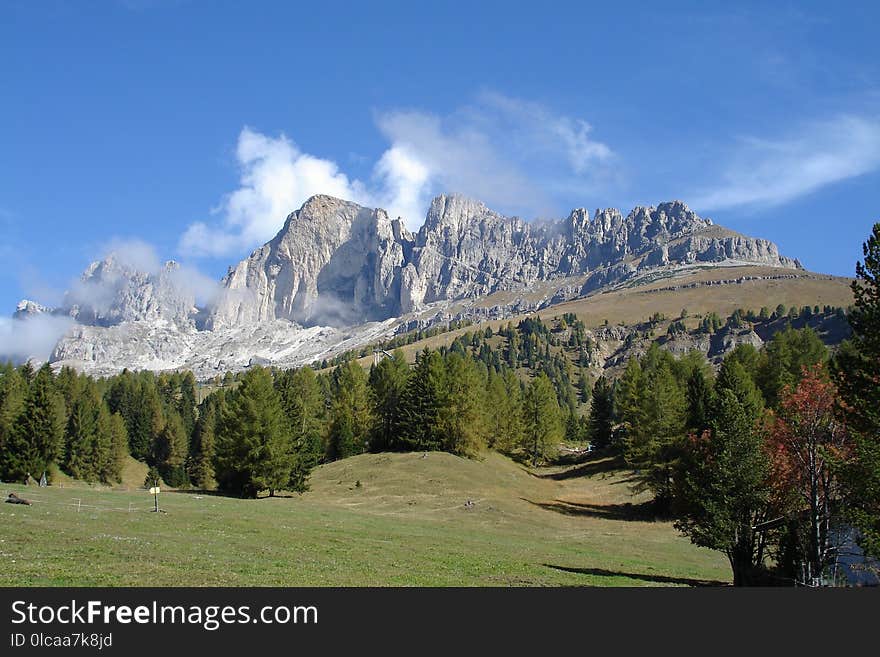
(154, 491)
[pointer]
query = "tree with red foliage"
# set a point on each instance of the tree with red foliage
(806, 439)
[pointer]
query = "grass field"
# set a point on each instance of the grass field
(377, 519)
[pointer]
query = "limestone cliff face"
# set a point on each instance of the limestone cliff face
(332, 261)
(337, 275)
(111, 292)
(339, 263)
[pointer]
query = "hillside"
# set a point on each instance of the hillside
(407, 523)
(699, 291)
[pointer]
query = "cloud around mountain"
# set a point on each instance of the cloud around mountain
(503, 150)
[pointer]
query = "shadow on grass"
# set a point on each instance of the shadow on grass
(658, 579)
(592, 465)
(644, 511)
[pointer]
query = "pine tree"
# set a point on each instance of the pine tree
(858, 366)
(723, 488)
(601, 414)
(170, 451)
(350, 413)
(38, 437)
(504, 412)
(388, 381)
(421, 403)
(12, 394)
(542, 425)
(462, 420)
(201, 469)
(254, 451)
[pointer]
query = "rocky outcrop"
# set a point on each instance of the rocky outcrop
(336, 262)
(27, 308)
(333, 262)
(111, 292)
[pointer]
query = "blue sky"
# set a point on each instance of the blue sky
(194, 127)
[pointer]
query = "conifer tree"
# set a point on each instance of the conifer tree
(112, 470)
(699, 400)
(723, 488)
(504, 412)
(38, 436)
(304, 404)
(601, 421)
(584, 386)
(254, 451)
(102, 466)
(858, 366)
(350, 412)
(542, 424)
(462, 418)
(81, 434)
(421, 404)
(653, 446)
(12, 394)
(785, 356)
(170, 451)
(631, 390)
(201, 469)
(387, 381)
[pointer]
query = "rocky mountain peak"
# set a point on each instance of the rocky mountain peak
(336, 263)
(28, 308)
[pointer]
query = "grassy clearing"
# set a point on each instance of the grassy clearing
(405, 524)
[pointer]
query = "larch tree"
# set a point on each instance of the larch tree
(806, 440)
(462, 417)
(350, 413)
(504, 411)
(541, 420)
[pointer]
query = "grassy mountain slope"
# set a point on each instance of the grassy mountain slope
(408, 523)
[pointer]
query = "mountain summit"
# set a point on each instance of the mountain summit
(335, 261)
(338, 275)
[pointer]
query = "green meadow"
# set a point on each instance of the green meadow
(372, 520)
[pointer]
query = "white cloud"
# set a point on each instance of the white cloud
(135, 254)
(100, 291)
(510, 153)
(773, 172)
(539, 131)
(31, 337)
(276, 178)
(453, 155)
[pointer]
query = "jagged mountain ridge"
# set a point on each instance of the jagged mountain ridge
(335, 264)
(335, 254)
